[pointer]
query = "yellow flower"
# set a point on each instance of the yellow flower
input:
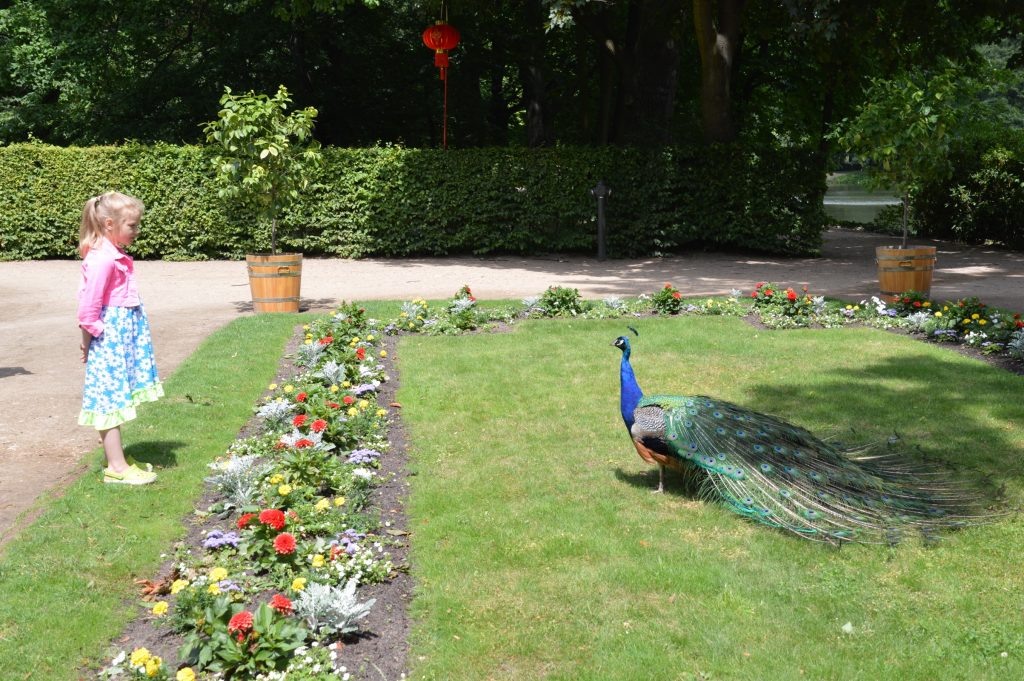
(404, 314)
(309, 335)
(153, 665)
(298, 584)
(938, 314)
(284, 490)
(856, 307)
(370, 337)
(185, 674)
(289, 388)
(276, 479)
(382, 412)
(411, 325)
(849, 307)
(983, 321)
(319, 561)
(356, 339)
(218, 573)
(363, 404)
(945, 308)
(322, 505)
(334, 388)
(139, 657)
(309, 341)
(177, 585)
(339, 501)
(346, 384)
(927, 303)
(352, 411)
(214, 589)
(967, 321)
(272, 386)
(383, 353)
(160, 608)
(305, 327)
(975, 315)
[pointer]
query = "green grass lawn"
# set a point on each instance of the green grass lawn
(540, 552)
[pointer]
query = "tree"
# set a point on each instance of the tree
(905, 127)
(266, 155)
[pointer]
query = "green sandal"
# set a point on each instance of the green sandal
(132, 475)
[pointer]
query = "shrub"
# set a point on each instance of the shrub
(393, 202)
(668, 300)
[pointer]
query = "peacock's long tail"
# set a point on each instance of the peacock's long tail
(783, 476)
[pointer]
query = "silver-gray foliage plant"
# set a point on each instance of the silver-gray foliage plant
(331, 609)
(275, 413)
(332, 373)
(238, 478)
(1015, 347)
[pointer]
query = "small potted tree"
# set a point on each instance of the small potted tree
(265, 159)
(903, 130)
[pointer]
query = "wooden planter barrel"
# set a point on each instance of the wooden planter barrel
(904, 269)
(275, 281)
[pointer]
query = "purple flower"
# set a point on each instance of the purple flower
(217, 538)
(363, 388)
(363, 456)
(228, 585)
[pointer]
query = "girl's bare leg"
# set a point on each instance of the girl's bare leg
(111, 440)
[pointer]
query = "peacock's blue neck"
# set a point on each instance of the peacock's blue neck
(629, 389)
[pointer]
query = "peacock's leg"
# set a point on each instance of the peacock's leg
(661, 479)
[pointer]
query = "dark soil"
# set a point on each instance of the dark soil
(380, 651)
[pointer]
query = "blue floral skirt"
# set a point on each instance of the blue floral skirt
(121, 370)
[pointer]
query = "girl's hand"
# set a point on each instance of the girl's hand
(84, 345)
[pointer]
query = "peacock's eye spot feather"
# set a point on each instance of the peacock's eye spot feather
(693, 446)
(691, 412)
(673, 436)
(721, 456)
(720, 430)
(778, 449)
(766, 468)
(789, 470)
(740, 433)
(785, 493)
(709, 404)
(759, 448)
(761, 433)
(717, 414)
(688, 424)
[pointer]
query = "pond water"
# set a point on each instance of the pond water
(856, 204)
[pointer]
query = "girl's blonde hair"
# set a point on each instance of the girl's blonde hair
(111, 205)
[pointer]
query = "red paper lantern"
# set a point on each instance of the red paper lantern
(441, 37)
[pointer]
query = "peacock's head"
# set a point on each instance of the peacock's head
(622, 343)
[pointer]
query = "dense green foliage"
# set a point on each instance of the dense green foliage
(390, 201)
(983, 199)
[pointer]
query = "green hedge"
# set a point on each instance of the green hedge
(389, 201)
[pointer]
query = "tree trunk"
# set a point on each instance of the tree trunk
(540, 129)
(718, 41)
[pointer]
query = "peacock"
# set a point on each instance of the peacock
(783, 476)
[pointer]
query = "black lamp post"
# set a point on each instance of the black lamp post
(601, 192)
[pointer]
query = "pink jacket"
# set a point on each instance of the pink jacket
(108, 279)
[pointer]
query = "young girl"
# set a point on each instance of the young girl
(120, 371)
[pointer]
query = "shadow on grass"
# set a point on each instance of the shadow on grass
(160, 453)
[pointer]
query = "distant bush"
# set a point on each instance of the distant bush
(390, 201)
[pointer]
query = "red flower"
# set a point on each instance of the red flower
(1020, 325)
(906, 300)
(281, 604)
(768, 292)
(279, 445)
(333, 405)
(245, 520)
(1017, 316)
(284, 544)
(667, 285)
(301, 397)
(304, 442)
(318, 426)
(917, 303)
(293, 515)
(348, 399)
(791, 294)
(300, 420)
(336, 551)
(360, 354)
(240, 623)
(272, 517)
(677, 295)
(759, 284)
(472, 299)
(326, 340)
(753, 294)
